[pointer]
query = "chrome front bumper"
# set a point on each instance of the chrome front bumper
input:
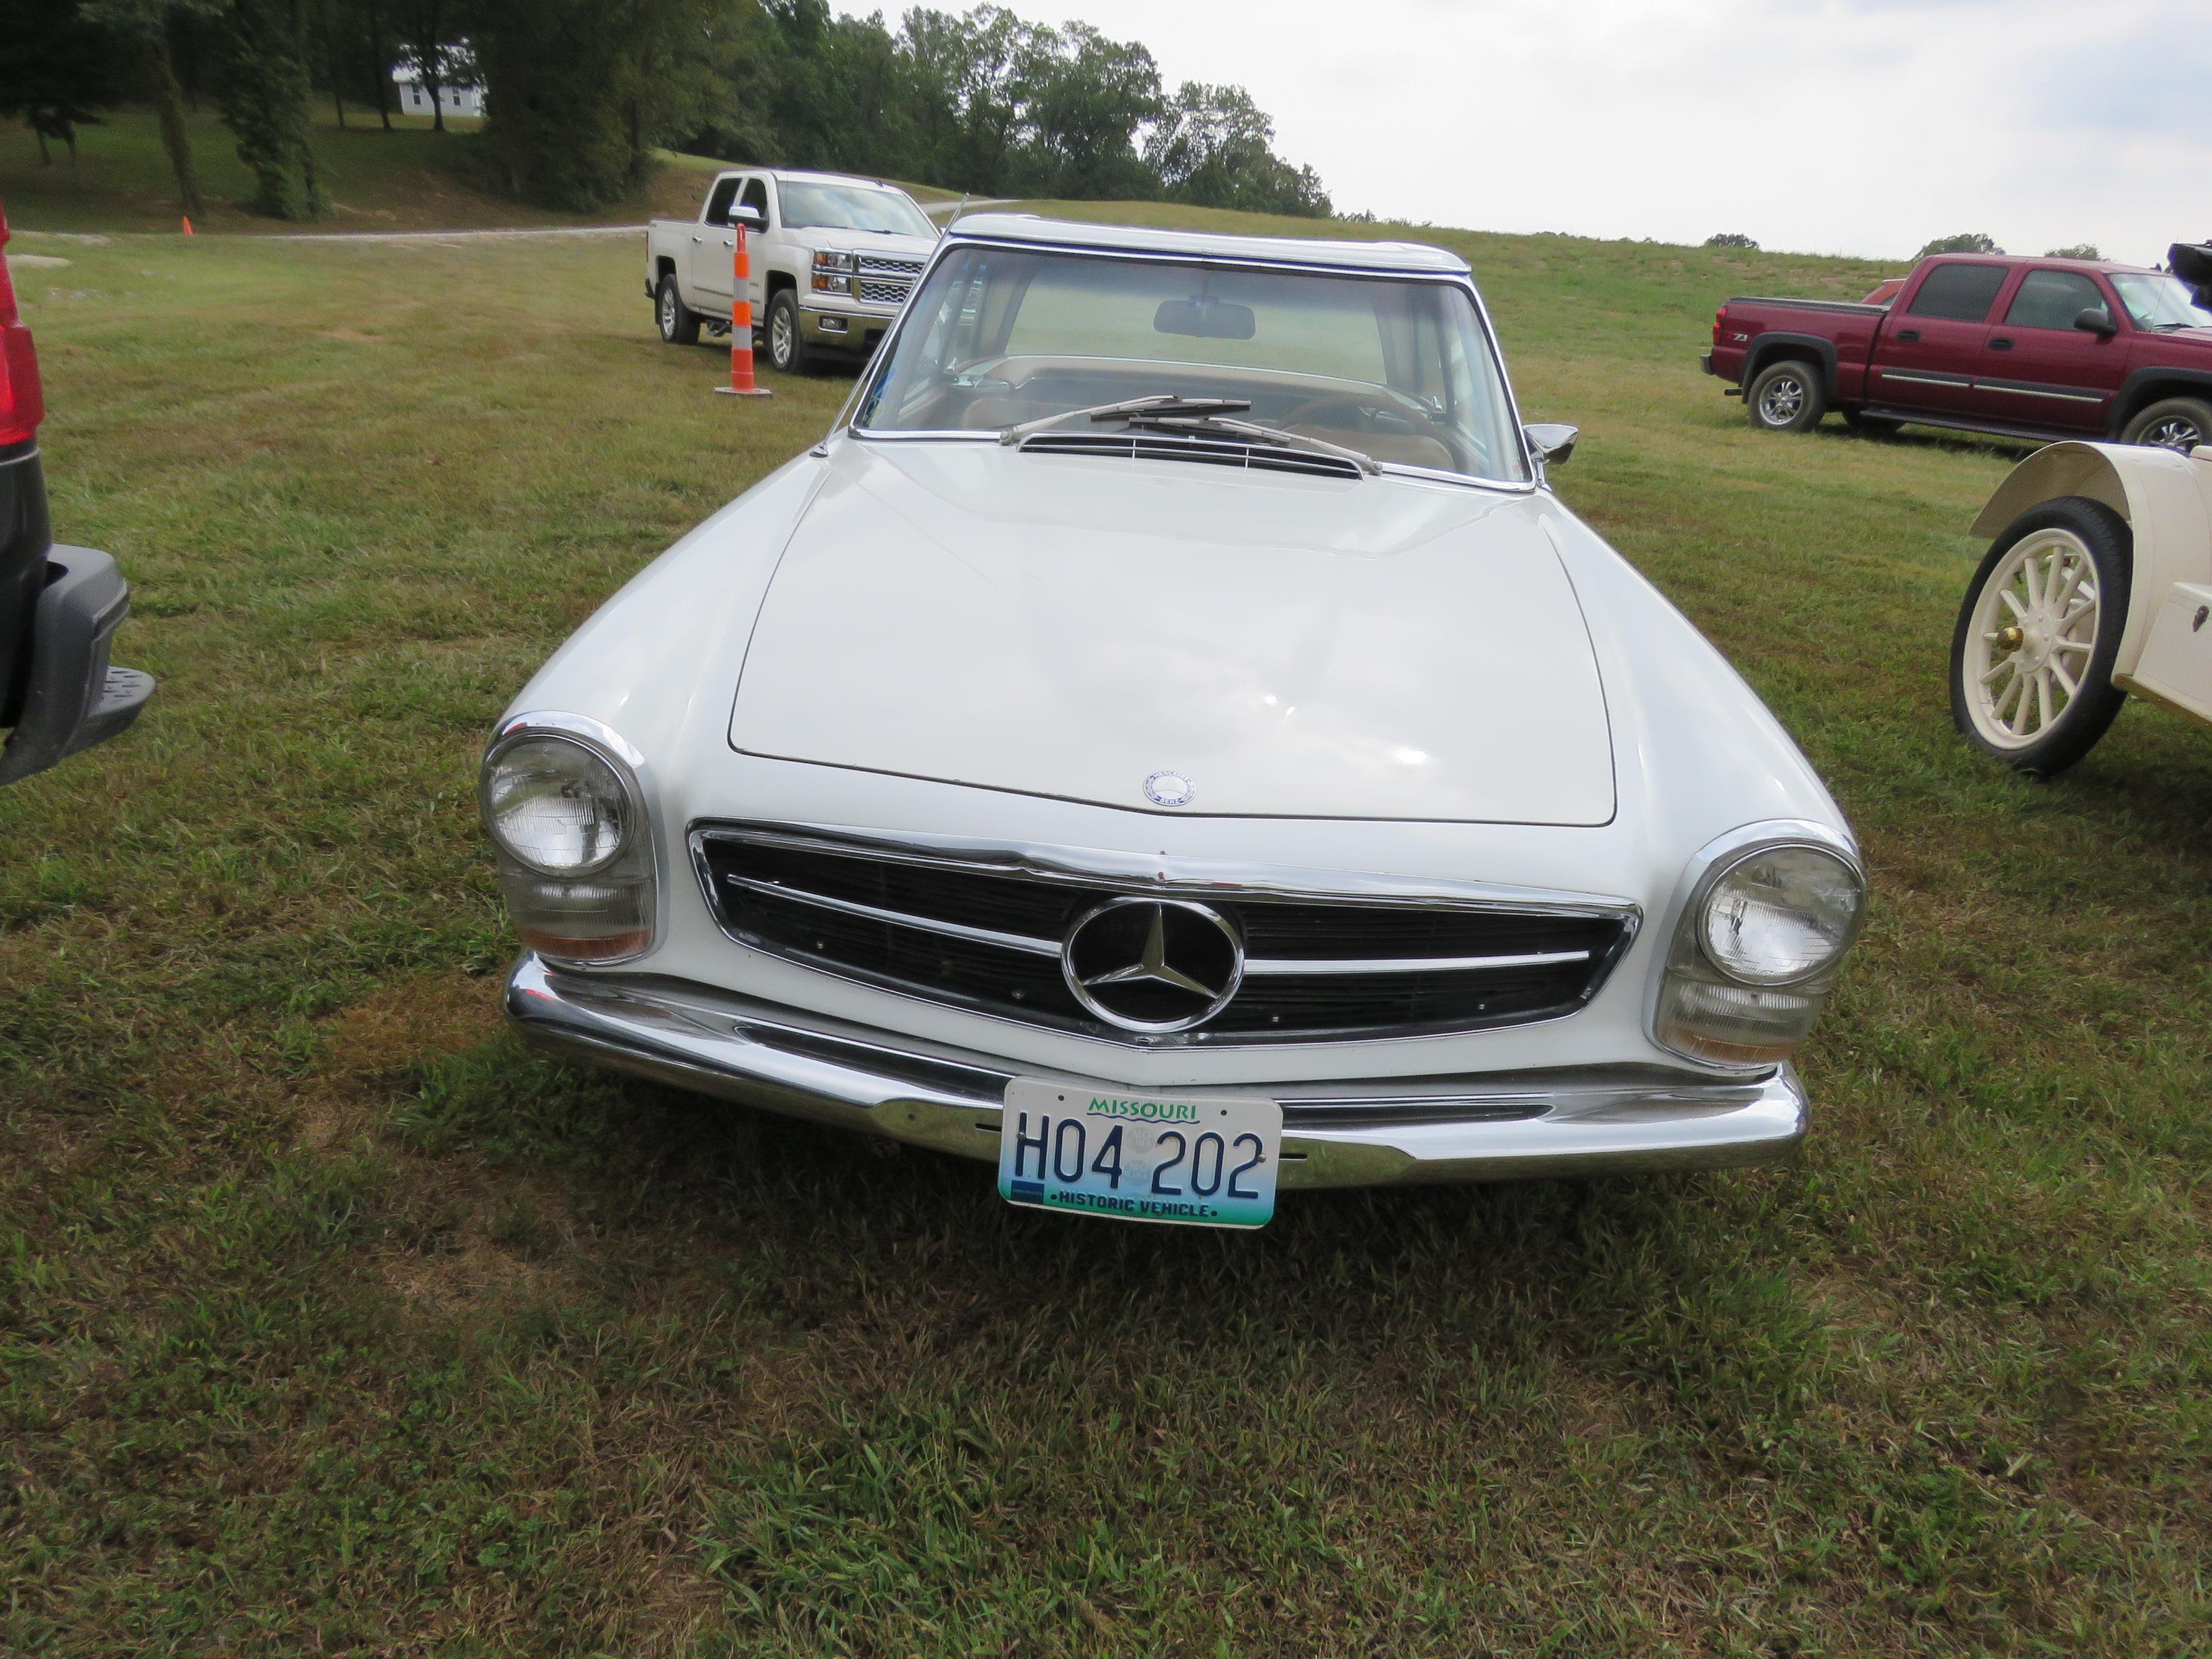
(1335, 1133)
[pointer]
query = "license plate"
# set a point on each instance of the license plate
(1205, 1163)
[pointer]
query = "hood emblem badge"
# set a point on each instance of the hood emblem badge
(1153, 966)
(1170, 789)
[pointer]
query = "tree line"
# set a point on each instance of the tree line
(580, 93)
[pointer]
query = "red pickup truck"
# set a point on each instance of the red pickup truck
(2038, 349)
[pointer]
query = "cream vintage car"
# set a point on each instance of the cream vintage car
(1169, 740)
(2098, 583)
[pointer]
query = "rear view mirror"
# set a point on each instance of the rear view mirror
(1203, 320)
(1552, 441)
(2094, 319)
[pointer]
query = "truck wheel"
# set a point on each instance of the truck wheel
(2180, 423)
(1786, 396)
(679, 324)
(787, 346)
(2032, 658)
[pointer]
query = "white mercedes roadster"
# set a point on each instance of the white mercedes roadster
(1169, 740)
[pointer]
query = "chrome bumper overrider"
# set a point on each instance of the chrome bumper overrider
(1336, 1132)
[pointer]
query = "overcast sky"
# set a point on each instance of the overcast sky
(1857, 126)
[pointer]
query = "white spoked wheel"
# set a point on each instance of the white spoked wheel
(2032, 658)
(2034, 634)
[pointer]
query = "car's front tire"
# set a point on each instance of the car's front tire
(787, 346)
(1786, 396)
(679, 324)
(2180, 423)
(2031, 657)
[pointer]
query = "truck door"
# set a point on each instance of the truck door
(2040, 370)
(1934, 341)
(711, 248)
(755, 196)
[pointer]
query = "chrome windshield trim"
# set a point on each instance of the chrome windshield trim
(1340, 965)
(1043, 947)
(1463, 279)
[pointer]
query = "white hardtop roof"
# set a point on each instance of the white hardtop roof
(1340, 255)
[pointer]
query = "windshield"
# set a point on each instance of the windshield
(853, 207)
(2159, 302)
(1397, 369)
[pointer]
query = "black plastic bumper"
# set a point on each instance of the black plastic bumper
(72, 698)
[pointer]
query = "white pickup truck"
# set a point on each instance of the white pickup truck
(833, 259)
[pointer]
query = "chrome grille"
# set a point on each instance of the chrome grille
(877, 265)
(886, 294)
(984, 930)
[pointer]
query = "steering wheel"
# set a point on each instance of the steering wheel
(1414, 420)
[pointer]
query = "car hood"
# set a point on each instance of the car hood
(1072, 626)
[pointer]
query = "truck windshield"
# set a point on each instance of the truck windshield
(853, 207)
(2159, 302)
(1395, 368)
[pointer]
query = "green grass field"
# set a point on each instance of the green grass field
(332, 1321)
(408, 178)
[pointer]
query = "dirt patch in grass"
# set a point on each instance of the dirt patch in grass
(442, 1011)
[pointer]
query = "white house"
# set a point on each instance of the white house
(455, 97)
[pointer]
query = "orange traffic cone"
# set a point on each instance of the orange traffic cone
(741, 327)
(188, 224)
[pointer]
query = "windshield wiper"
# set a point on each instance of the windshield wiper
(1207, 425)
(1164, 402)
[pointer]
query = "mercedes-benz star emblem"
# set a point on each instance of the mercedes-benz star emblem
(1152, 965)
(1170, 789)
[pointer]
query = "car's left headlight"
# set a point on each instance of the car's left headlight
(834, 272)
(1757, 946)
(567, 817)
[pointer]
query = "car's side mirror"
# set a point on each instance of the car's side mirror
(748, 216)
(2095, 319)
(1552, 442)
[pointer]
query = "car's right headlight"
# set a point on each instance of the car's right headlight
(1769, 917)
(567, 817)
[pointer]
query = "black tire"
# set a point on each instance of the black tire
(679, 324)
(2044, 738)
(2180, 423)
(1872, 425)
(787, 345)
(1786, 396)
